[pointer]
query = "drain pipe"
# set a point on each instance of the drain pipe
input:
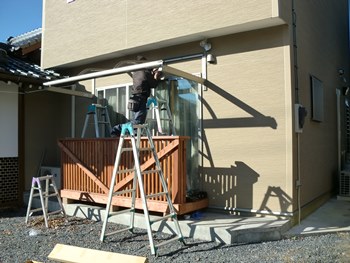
(339, 132)
(298, 182)
(296, 88)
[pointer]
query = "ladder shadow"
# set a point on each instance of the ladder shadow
(284, 200)
(93, 213)
(191, 247)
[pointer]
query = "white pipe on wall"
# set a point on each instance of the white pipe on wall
(254, 211)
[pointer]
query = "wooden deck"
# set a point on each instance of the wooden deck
(87, 165)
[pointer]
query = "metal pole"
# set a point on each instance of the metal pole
(105, 73)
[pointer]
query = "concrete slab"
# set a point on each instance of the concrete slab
(208, 226)
(334, 216)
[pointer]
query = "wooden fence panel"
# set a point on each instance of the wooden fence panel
(87, 166)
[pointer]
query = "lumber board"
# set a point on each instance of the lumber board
(74, 254)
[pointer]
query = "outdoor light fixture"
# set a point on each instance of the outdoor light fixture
(204, 44)
(211, 59)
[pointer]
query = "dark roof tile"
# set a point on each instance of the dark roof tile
(26, 39)
(10, 64)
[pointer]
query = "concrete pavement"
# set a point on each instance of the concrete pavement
(333, 216)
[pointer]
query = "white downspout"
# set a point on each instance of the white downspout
(298, 183)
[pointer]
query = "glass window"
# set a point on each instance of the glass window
(116, 99)
(183, 98)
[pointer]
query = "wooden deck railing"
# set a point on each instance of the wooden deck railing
(87, 166)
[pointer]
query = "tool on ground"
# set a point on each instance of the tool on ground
(156, 105)
(44, 197)
(128, 131)
(100, 117)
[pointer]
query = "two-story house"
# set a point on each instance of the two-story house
(264, 135)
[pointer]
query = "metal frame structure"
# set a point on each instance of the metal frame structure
(115, 71)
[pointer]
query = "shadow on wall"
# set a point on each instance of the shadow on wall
(257, 119)
(276, 194)
(234, 185)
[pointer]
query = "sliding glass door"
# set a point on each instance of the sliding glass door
(183, 97)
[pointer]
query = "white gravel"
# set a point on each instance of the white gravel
(20, 242)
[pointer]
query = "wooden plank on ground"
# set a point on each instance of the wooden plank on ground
(73, 254)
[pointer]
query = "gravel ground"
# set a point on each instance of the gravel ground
(20, 242)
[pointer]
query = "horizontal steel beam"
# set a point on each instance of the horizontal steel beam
(105, 73)
(115, 71)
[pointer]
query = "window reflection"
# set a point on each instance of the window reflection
(182, 95)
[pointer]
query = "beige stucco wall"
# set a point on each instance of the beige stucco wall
(114, 28)
(247, 121)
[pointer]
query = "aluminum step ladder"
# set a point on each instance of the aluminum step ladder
(128, 131)
(44, 197)
(156, 105)
(100, 117)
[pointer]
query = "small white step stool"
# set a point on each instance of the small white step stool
(128, 131)
(156, 105)
(44, 197)
(101, 117)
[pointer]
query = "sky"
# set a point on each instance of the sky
(18, 17)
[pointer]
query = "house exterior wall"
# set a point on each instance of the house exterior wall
(250, 150)
(322, 49)
(47, 119)
(247, 121)
(133, 23)
(10, 177)
(9, 120)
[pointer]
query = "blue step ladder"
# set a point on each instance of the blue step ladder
(100, 117)
(156, 107)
